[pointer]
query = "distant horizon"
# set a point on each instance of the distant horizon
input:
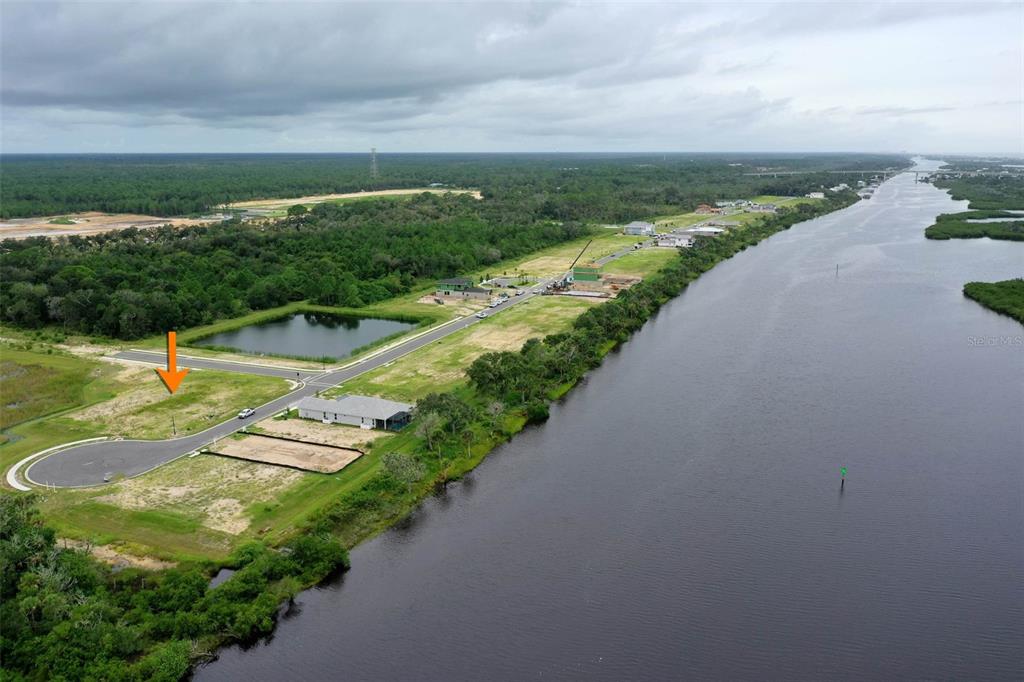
(999, 155)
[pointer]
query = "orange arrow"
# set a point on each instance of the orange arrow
(172, 376)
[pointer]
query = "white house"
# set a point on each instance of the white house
(357, 410)
(815, 195)
(638, 228)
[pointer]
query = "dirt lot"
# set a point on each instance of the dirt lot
(316, 432)
(320, 198)
(92, 222)
(215, 489)
(308, 456)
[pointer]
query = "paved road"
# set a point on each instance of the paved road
(88, 464)
(156, 358)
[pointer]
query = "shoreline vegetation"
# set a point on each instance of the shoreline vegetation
(997, 199)
(156, 625)
(1005, 298)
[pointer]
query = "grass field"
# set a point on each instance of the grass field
(34, 385)
(442, 365)
(641, 263)
(130, 401)
(556, 259)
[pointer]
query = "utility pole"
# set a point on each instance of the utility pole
(374, 170)
(174, 427)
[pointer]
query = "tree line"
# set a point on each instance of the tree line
(134, 283)
(571, 186)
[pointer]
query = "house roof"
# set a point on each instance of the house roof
(460, 281)
(356, 405)
(640, 223)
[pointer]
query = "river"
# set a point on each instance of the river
(680, 515)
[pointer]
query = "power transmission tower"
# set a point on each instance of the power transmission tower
(374, 171)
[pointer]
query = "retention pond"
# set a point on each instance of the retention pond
(308, 335)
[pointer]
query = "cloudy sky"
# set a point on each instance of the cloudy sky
(510, 76)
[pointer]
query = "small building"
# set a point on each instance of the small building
(591, 272)
(461, 287)
(815, 195)
(639, 228)
(357, 410)
(676, 241)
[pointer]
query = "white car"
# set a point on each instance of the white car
(481, 314)
(519, 292)
(246, 413)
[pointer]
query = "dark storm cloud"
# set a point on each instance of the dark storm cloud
(222, 60)
(496, 75)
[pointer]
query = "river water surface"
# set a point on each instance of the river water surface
(680, 514)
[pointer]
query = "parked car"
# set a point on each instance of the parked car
(495, 304)
(481, 314)
(519, 292)
(246, 413)
(107, 476)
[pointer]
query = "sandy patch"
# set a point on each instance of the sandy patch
(320, 198)
(227, 515)
(116, 557)
(316, 432)
(215, 489)
(91, 222)
(308, 456)
(497, 338)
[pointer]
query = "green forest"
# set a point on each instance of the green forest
(567, 186)
(992, 198)
(1006, 297)
(986, 191)
(134, 283)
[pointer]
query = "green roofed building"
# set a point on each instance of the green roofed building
(460, 287)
